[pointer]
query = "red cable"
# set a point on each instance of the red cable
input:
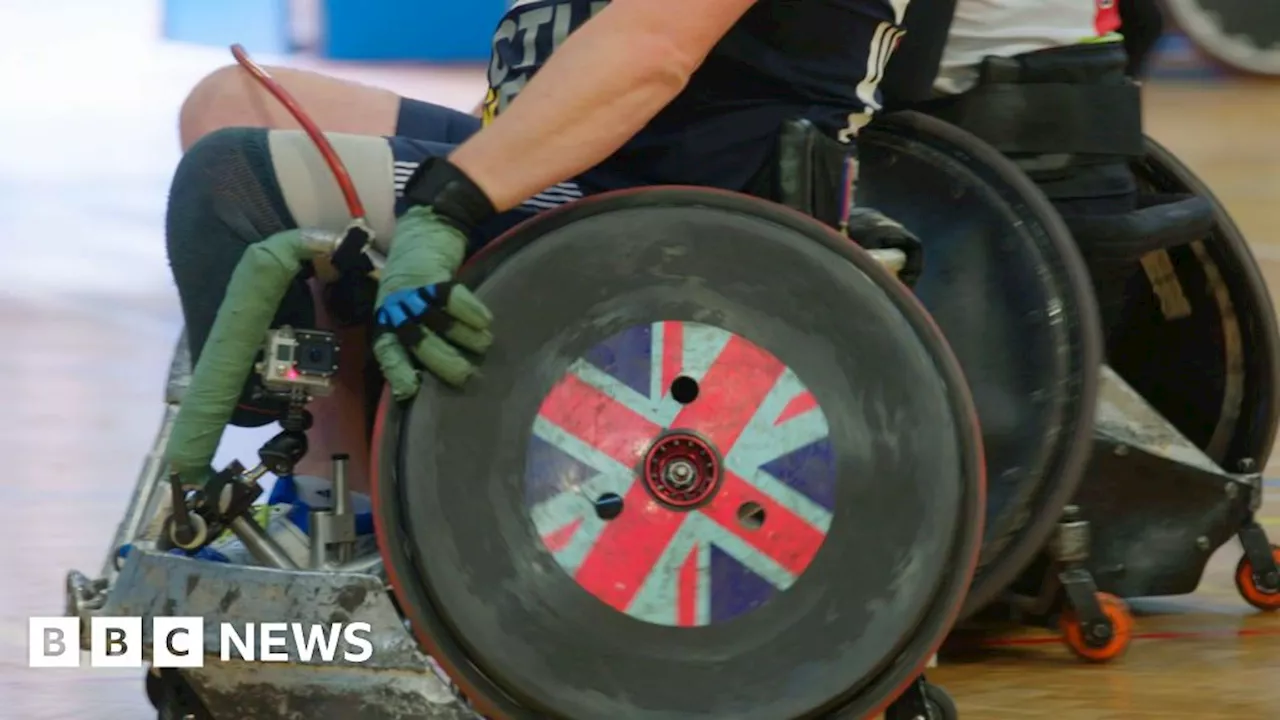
(336, 166)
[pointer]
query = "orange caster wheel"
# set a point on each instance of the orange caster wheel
(1262, 593)
(1102, 641)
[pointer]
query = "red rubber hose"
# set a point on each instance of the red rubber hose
(339, 170)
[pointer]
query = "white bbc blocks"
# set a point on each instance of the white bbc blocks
(115, 642)
(53, 642)
(179, 642)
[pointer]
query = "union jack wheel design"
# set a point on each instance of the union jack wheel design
(681, 474)
(718, 464)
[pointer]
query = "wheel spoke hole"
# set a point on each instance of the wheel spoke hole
(684, 389)
(751, 515)
(608, 506)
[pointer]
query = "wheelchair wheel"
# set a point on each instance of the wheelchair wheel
(1250, 589)
(676, 459)
(940, 704)
(1104, 642)
(1006, 284)
(1223, 389)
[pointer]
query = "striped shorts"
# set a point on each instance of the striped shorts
(408, 153)
(426, 130)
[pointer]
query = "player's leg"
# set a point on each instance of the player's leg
(236, 187)
(239, 186)
(231, 97)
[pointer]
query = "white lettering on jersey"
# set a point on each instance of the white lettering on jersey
(883, 42)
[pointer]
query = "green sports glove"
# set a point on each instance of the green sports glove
(421, 312)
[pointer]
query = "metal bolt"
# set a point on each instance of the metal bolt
(1248, 465)
(680, 473)
(1232, 490)
(1202, 542)
(1101, 631)
(1121, 450)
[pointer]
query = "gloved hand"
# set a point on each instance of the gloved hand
(420, 310)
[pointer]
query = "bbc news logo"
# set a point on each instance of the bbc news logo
(179, 642)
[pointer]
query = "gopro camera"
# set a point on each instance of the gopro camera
(299, 360)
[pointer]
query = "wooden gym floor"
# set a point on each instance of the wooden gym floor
(89, 317)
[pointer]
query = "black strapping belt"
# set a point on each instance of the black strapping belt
(1049, 118)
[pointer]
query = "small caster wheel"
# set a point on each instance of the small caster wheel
(939, 703)
(1247, 584)
(199, 537)
(1104, 642)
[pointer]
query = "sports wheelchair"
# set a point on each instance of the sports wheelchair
(733, 467)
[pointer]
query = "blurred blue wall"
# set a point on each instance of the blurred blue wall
(262, 26)
(445, 31)
(380, 30)
(425, 30)
(1177, 58)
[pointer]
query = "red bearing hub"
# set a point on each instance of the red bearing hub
(681, 470)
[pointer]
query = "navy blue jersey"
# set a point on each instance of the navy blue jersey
(817, 59)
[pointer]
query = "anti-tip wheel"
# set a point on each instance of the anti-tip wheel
(1247, 584)
(1104, 642)
(940, 704)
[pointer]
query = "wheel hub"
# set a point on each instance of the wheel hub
(681, 470)
(1269, 583)
(1101, 632)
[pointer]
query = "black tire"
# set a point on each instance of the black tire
(940, 703)
(1232, 34)
(972, 191)
(1229, 426)
(427, 598)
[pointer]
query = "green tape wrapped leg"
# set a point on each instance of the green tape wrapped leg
(253, 296)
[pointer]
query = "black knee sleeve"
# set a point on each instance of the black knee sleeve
(224, 197)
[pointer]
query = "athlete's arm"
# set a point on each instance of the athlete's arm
(608, 79)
